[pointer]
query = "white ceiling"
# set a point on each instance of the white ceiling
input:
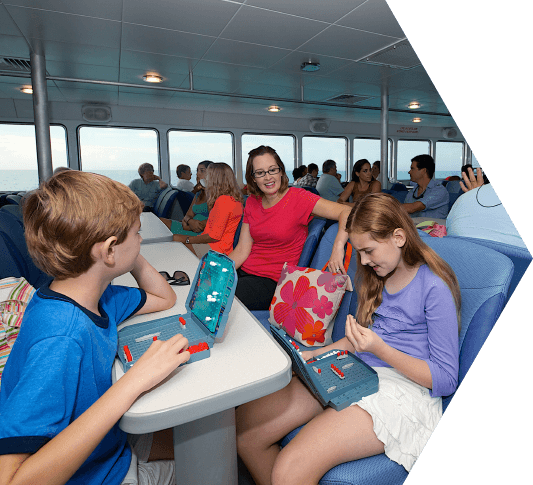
(235, 48)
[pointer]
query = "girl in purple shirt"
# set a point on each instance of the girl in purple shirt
(406, 327)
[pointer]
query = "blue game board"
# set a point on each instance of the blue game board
(337, 378)
(208, 304)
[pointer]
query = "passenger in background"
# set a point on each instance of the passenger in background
(193, 223)
(298, 173)
(224, 200)
(376, 169)
(274, 228)
(200, 176)
(310, 179)
(147, 187)
(184, 178)
(329, 186)
(428, 198)
(478, 213)
(361, 183)
(61, 169)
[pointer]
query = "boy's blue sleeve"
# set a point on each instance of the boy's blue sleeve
(123, 301)
(40, 404)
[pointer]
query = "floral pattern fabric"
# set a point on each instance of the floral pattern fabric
(305, 303)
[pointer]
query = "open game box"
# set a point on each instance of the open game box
(208, 306)
(337, 378)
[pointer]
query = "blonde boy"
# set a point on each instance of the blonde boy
(58, 409)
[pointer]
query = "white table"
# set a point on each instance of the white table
(153, 230)
(198, 400)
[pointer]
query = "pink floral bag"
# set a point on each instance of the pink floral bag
(306, 302)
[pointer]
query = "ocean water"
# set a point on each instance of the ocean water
(23, 180)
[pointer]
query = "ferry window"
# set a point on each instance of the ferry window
(283, 144)
(448, 158)
(117, 152)
(369, 148)
(407, 150)
(318, 149)
(475, 162)
(18, 149)
(192, 147)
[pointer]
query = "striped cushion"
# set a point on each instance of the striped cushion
(15, 294)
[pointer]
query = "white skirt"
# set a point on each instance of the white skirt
(404, 415)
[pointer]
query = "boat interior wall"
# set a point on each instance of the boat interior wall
(218, 56)
(163, 119)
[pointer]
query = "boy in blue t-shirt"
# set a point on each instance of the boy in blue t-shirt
(58, 407)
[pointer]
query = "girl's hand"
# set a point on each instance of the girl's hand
(362, 339)
(161, 358)
(308, 355)
(195, 225)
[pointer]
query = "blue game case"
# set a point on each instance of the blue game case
(208, 303)
(359, 380)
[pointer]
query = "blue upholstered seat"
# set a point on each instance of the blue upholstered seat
(315, 228)
(164, 202)
(520, 257)
(14, 257)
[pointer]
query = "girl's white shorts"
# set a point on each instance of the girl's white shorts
(404, 415)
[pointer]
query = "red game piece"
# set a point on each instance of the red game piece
(127, 353)
(155, 338)
(182, 320)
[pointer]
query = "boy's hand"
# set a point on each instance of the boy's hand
(363, 339)
(161, 358)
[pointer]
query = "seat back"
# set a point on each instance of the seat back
(184, 199)
(398, 187)
(13, 199)
(314, 233)
(164, 202)
(484, 276)
(453, 187)
(520, 257)
(310, 189)
(453, 196)
(397, 194)
(14, 257)
(349, 302)
(13, 209)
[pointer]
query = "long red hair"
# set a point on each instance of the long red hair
(379, 215)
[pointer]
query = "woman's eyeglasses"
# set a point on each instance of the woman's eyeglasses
(179, 278)
(261, 173)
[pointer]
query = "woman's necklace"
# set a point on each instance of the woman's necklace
(486, 206)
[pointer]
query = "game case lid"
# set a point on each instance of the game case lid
(212, 292)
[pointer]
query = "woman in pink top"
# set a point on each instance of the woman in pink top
(274, 228)
(224, 200)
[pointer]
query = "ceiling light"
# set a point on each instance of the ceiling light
(310, 66)
(274, 108)
(417, 120)
(27, 89)
(152, 78)
(414, 105)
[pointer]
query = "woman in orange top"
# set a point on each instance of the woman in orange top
(224, 200)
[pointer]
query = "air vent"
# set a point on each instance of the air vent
(348, 98)
(400, 55)
(12, 64)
